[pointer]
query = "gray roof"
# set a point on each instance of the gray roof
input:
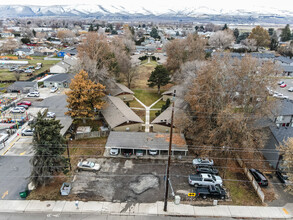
(284, 107)
(71, 51)
(145, 141)
(179, 91)
(281, 134)
(284, 59)
(26, 50)
(60, 78)
(117, 89)
(287, 68)
(18, 85)
(263, 55)
(63, 65)
(165, 116)
(116, 112)
(57, 104)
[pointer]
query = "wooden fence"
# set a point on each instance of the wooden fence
(92, 134)
(252, 180)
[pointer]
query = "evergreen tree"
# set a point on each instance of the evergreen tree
(271, 31)
(159, 77)
(196, 28)
(154, 33)
(274, 41)
(225, 27)
(236, 33)
(91, 28)
(48, 147)
(34, 33)
(286, 33)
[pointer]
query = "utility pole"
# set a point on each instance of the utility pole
(68, 155)
(169, 156)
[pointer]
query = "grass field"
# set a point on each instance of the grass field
(146, 96)
(159, 104)
(6, 75)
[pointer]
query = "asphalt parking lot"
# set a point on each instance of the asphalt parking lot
(284, 91)
(121, 180)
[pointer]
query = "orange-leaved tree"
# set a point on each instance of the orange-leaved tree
(84, 97)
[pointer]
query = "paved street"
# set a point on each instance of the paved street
(14, 170)
(45, 216)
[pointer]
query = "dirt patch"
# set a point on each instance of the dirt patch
(144, 183)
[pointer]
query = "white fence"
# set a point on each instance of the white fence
(92, 134)
(253, 182)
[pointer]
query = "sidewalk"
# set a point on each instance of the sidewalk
(35, 206)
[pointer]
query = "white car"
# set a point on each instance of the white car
(290, 89)
(88, 165)
(153, 152)
(202, 162)
(51, 115)
(34, 94)
(18, 110)
(53, 89)
(27, 132)
(114, 151)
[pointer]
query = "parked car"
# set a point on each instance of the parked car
(127, 152)
(114, 151)
(153, 152)
(139, 153)
(259, 177)
(290, 89)
(23, 106)
(202, 162)
(204, 180)
(18, 110)
(88, 165)
(207, 169)
(283, 85)
(34, 94)
(51, 115)
(27, 132)
(210, 191)
(282, 176)
(53, 89)
(281, 82)
(25, 103)
(38, 67)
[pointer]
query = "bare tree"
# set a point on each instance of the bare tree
(222, 39)
(17, 76)
(10, 45)
(250, 44)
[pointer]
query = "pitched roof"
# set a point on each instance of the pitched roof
(281, 134)
(63, 65)
(284, 59)
(145, 141)
(60, 78)
(21, 84)
(284, 107)
(263, 55)
(165, 116)
(287, 68)
(116, 88)
(179, 91)
(116, 112)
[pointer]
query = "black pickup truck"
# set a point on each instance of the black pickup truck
(211, 191)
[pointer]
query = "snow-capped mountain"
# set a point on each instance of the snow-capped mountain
(107, 10)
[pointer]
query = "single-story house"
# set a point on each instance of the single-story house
(284, 60)
(119, 90)
(287, 70)
(169, 94)
(60, 67)
(23, 87)
(278, 135)
(162, 123)
(282, 114)
(61, 80)
(144, 141)
(24, 51)
(119, 116)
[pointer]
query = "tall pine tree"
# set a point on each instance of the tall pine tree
(286, 33)
(159, 77)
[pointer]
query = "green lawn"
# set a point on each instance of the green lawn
(152, 115)
(135, 103)
(159, 104)
(152, 63)
(6, 75)
(146, 96)
(4, 85)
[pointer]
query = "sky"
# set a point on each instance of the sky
(173, 4)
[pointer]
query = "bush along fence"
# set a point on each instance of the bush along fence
(255, 185)
(92, 134)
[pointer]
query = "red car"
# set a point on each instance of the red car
(283, 85)
(25, 103)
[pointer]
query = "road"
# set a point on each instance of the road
(97, 216)
(14, 170)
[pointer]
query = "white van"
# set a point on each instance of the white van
(3, 139)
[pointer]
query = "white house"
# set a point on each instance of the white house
(60, 67)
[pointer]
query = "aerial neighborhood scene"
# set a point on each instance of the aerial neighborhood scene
(146, 110)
